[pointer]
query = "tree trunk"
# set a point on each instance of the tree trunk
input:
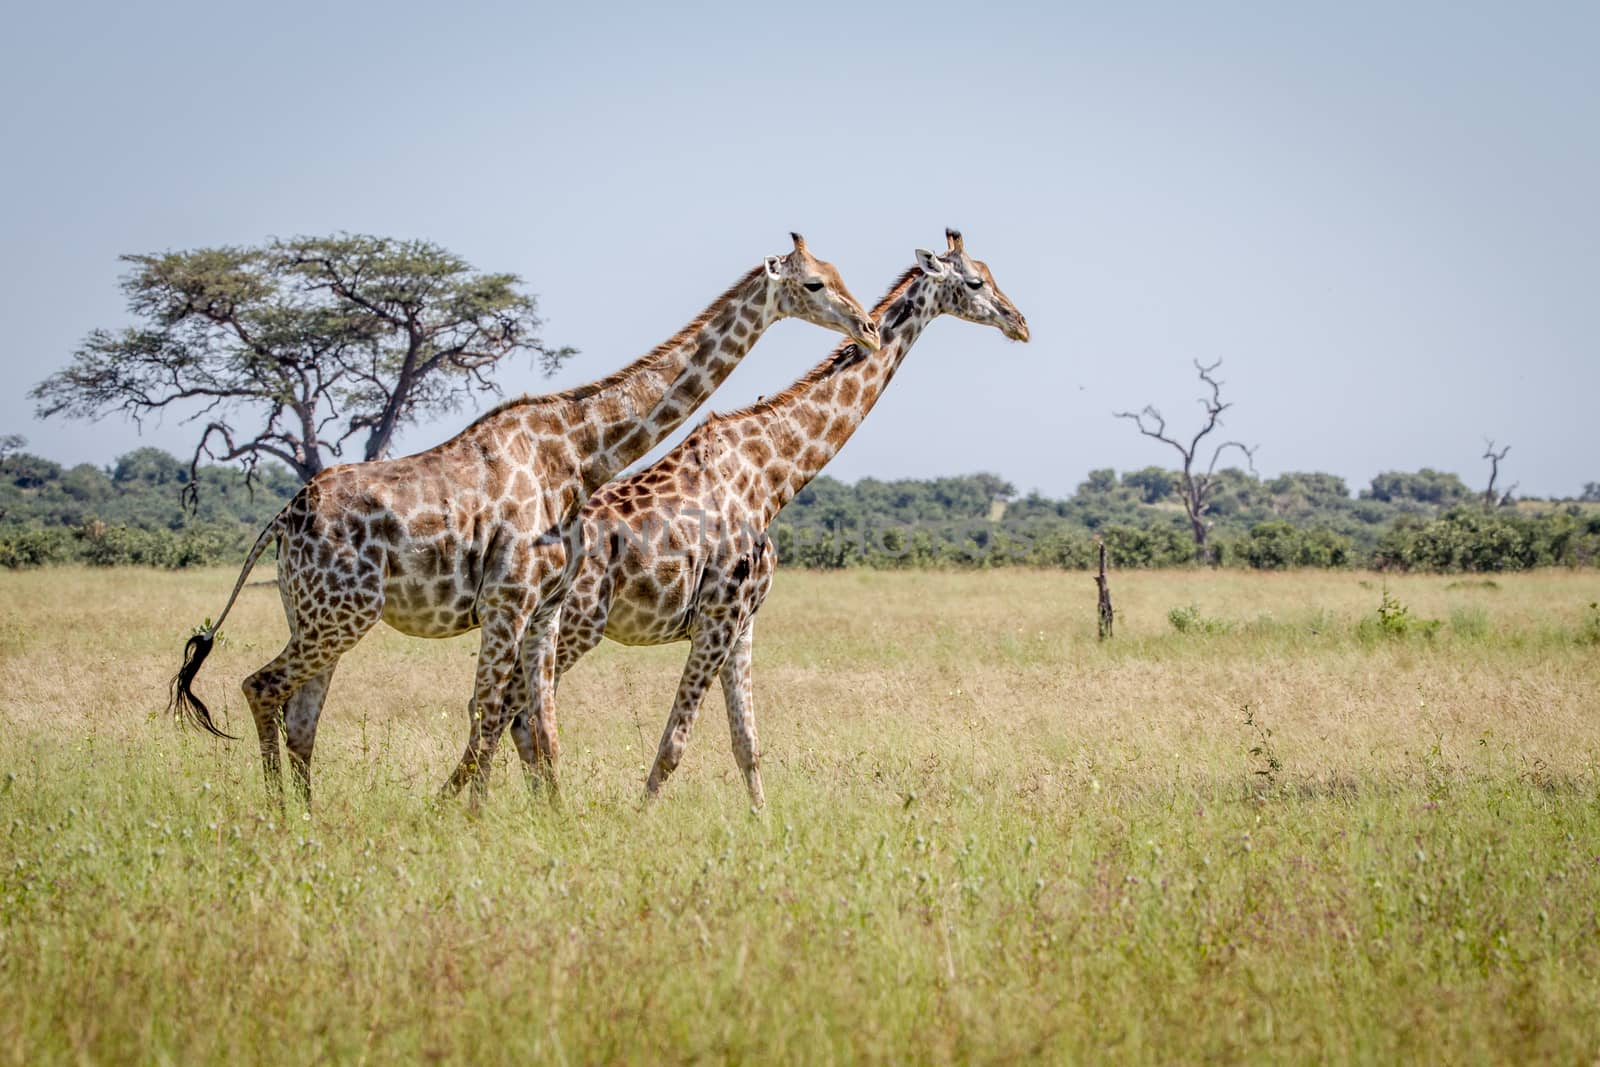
(1202, 552)
(378, 440)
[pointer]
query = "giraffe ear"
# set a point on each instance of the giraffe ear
(931, 264)
(775, 268)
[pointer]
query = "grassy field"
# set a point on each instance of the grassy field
(1287, 833)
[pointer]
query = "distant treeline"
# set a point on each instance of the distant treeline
(1426, 520)
(131, 513)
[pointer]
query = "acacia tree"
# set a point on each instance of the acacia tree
(294, 349)
(1195, 486)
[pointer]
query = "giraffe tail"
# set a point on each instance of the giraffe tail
(182, 703)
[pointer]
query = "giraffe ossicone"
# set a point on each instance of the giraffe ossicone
(679, 550)
(481, 531)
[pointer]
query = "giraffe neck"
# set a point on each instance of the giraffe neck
(626, 414)
(612, 422)
(807, 424)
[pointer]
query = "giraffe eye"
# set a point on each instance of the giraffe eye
(974, 283)
(813, 287)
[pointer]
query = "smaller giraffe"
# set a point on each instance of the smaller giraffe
(679, 551)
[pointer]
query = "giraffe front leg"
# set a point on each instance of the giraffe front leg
(519, 703)
(541, 676)
(533, 725)
(581, 626)
(737, 692)
(708, 651)
(497, 660)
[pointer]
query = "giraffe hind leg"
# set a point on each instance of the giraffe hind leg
(737, 693)
(708, 651)
(274, 693)
(300, 716)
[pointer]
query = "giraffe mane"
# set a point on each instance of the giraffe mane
(847, 354)
(643, 363)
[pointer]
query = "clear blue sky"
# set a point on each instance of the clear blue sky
(1382, 217)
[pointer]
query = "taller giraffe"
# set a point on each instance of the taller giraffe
(480, 531)
(679, 551)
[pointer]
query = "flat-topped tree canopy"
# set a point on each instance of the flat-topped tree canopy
(308, 351)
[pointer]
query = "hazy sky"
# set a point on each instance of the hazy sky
(1382, 217)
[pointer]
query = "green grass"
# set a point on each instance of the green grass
(989, 837)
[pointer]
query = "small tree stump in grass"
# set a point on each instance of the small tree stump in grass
(1107, 616)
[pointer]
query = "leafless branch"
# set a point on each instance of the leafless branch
(1494, 458)
(1198, 486)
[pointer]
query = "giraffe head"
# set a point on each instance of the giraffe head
(963, 287)
(802, 286)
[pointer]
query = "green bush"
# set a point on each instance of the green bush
(100, 545)
(1188, 620)
(1473, 540)
(34, 547)
(1150, 546)
(1394, 620)
(1277, 545)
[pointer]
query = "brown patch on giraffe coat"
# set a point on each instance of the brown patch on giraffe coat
(635, 442)
(758, 451)
(386, 528)
(497, 475)
(811, 420)
(839, 431)
(428, 524)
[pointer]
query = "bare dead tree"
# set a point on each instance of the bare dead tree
(1198, 486)
(1490, 500)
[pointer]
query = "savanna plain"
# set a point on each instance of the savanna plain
(1263, 822)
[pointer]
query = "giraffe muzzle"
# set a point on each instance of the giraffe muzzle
(865, 333)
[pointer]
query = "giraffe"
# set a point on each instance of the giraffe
(679, 551)
(481, 531)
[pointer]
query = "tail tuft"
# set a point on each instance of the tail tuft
(184, 705)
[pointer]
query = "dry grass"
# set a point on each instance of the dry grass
(988, 838)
